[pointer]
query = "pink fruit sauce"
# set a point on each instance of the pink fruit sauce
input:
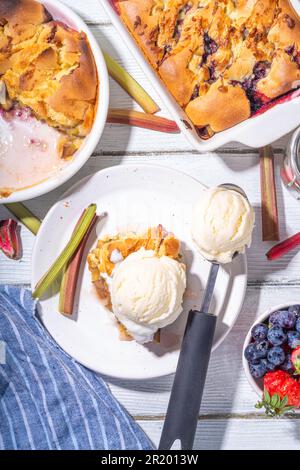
(28, 150)
(282, 99)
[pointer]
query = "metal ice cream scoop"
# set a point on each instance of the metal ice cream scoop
(186, 395)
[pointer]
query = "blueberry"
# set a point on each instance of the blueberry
(268, 364)
(250, 352)
(276, 335)
(258, 370)
(260, 69)
(284, 318)
(247, 84)
(287, 319)
(287, 365)
(256, 351)
(210, 46)
(262, 348)
(293, 339)
(185, 8)
(290, 50)
(295, 309)
(276, 355)
(273, 319)
(298, 325)
(259, 332)
(195, 93)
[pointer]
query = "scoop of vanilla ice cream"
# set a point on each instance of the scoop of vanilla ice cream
(147, 292)
(222, 224)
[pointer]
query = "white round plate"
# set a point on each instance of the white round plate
(134, 198)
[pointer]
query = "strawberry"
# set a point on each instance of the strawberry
(281, 393)
(283, 384)
(295, 358)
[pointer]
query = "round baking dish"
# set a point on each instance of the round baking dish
(62, 13)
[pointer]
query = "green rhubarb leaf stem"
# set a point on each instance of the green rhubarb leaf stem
(24, 215)
(53, 272)
(130, 85)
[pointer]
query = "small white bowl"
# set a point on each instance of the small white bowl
(257, 384)
(61, 12)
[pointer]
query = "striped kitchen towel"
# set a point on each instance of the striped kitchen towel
(47, 399)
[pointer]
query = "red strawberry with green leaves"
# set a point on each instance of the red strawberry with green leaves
(10, 242)
(295, 358)
(284, 385)
(281, 393)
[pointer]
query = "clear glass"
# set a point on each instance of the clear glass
(290, 170)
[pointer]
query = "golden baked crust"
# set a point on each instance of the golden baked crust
(49, 68)
(221, 60)
(100, 264)
(230, 105)
(156, 239)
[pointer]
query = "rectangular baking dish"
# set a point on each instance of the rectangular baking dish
(257, 131)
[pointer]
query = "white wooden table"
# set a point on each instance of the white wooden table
(228, 418)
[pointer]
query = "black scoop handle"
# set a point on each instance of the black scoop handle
(186, 395)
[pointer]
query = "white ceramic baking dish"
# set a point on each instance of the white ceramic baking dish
(257, 384)
(62, 13)
(257, 131)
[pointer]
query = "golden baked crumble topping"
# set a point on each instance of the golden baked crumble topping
(156, 239)
(49, 68)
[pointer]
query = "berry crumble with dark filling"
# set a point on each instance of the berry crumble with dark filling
(223, 61)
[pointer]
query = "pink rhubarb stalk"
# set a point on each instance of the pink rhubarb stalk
(270, 226)
(71, 273)
(145, 120)
(10, 242)
(284, 247)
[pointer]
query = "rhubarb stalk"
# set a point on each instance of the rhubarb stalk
(130, 85)
(25, 216)
(136, 118)
(71, 273)
(270, 227)
(10, 242)
(283, 247)
(56, 268)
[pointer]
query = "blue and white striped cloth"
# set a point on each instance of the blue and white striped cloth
(48, 400)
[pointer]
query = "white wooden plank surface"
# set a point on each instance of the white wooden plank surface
(226, 168)
(90, 10)
(238, 434)
(228, 418)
